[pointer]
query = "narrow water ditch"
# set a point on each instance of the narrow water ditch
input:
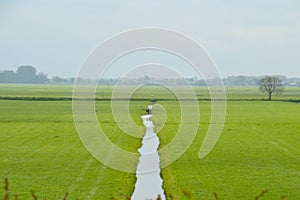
(149, 182)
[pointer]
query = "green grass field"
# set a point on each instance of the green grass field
(259, 147)
(65, 91)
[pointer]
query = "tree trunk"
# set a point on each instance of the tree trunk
(270, 96)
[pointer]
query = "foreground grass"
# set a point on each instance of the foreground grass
(258, 149)
(40, 151)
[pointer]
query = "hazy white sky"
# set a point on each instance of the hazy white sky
(242, 37)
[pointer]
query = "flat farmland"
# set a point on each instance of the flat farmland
(258, 150)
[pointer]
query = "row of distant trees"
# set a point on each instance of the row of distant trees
(28, 74)
(254, 80)
(24, 74)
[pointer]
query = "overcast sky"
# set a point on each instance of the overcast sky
(242, 37)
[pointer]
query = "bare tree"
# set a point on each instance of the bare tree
(270, 84)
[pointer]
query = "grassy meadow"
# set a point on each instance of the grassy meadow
(258, 150)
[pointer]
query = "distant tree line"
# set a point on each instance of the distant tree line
(28, 74)
(24, 74)
(256, 80)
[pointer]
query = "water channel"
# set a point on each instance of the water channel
(149, 181)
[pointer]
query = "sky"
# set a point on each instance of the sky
(241, 37)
